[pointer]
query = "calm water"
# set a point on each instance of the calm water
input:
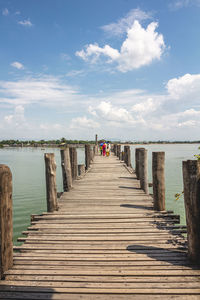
(174, 155)
(29, 189)
(28, 169)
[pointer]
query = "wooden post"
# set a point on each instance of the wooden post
(115, 149)
(118, 150)
(73, 160)
(137, 162)
(96, 140)
(87, 156)
(191, 181)
(94, 151)
(144, 170)
(91, 154)
(6, 224)
(128, 156)
(66, 169)
(122, 155)
(81, 169)
(125, 154)
(51, 190)
(158, 177)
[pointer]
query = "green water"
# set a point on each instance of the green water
(28, 169)
(174, 155)
(29, 189)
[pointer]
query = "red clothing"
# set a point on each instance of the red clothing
(104, 149)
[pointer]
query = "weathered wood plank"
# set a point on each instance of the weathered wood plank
(105, 242)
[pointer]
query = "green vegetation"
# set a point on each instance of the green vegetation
(41, 143)
(197, 155)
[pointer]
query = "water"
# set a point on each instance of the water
(29, 187)
(174, 155)
(28, 169)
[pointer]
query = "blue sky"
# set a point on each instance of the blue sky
(123, 69)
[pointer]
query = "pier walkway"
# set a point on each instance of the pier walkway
(104, 242)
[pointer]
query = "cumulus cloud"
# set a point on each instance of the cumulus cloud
(146, 106)
(185, 86)
(26, 23)
(112, 113)
(140, 48)
(83, 123)
(126, 23)
(152, 116)
(17, 65)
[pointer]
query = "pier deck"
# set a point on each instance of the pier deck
(104, 242)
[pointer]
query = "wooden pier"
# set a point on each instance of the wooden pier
(105, 241)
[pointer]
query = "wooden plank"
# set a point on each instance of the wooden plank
(103, 245)
(136, 291)
(103, 285)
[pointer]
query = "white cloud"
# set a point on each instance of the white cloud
(147, 106)
(94, 51)
(17, 118)
(177, 4)
(132, 114)
(5, 12)
(48, 91)
(190, 123)
(83, 122)
(112, 113)
(126, 23)
(26, 23)
(187, 86)
(17, 65)
(140, 48)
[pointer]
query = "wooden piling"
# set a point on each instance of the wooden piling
(120, 156)
(191, 181)
(115, 149)
(87, 156)
(137, 162)
(96, 140)
(127, 156)
(143, 170)
(81, 169)
(51, 191)
(66, 169)
(94, 151)
(6, 224)
(73, 160)
(118, 150)
(158, 177)
(91, 154)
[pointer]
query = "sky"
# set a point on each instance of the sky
(122, 69)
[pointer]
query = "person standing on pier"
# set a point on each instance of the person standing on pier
(104, 149)
(108, 149)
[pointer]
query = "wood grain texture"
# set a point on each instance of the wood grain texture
(104, 242)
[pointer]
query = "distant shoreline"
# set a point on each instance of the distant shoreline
(81, 144)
